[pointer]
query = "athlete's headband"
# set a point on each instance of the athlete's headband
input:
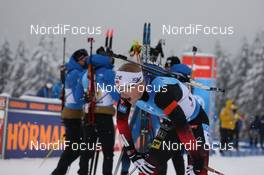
(123, 78)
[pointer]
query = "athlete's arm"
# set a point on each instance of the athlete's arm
(123, 111)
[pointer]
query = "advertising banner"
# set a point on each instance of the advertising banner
(33, 129)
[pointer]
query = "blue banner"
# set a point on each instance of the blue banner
(33, 133)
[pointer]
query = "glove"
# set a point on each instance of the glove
(199, 158)
(189, 170)
(198, 165)
(140, 163)
(184, 79)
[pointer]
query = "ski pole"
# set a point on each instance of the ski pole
(213, 170)
(119, 161)
(96, 159)
(93, 158)
(49, 153)
(132, 122)
(47, 156)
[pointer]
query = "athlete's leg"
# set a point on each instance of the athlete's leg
(105, 127)
(200, 128)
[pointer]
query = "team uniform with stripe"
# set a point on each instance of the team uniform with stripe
(183, 118)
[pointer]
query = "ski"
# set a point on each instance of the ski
(144, 116)
(109, 40)
(144, 42)
(148, 42)
(106, 38)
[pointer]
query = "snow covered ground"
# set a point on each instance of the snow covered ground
(252, 165)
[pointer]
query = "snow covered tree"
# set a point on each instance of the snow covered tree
(6, 68)
(224, 70)
(251, 99)
(240, 66)
(18, 77)
(43, 65)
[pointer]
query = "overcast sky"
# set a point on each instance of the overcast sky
(127, 18)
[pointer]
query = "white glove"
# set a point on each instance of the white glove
(189, 170)
(141, 164)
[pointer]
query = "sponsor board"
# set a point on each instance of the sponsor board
(29, 126)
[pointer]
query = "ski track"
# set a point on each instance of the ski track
(228, 165)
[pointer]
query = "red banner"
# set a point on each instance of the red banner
(202, 65)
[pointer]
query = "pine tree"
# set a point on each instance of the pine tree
(224, 70)
(43, 65)
(240, 66)
(18, 77)
(252, 96)
(6, 59)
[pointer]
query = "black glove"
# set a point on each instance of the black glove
(198, 165)
(184, 78)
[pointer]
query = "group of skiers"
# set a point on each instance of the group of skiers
(77, 128)
(179, 117)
